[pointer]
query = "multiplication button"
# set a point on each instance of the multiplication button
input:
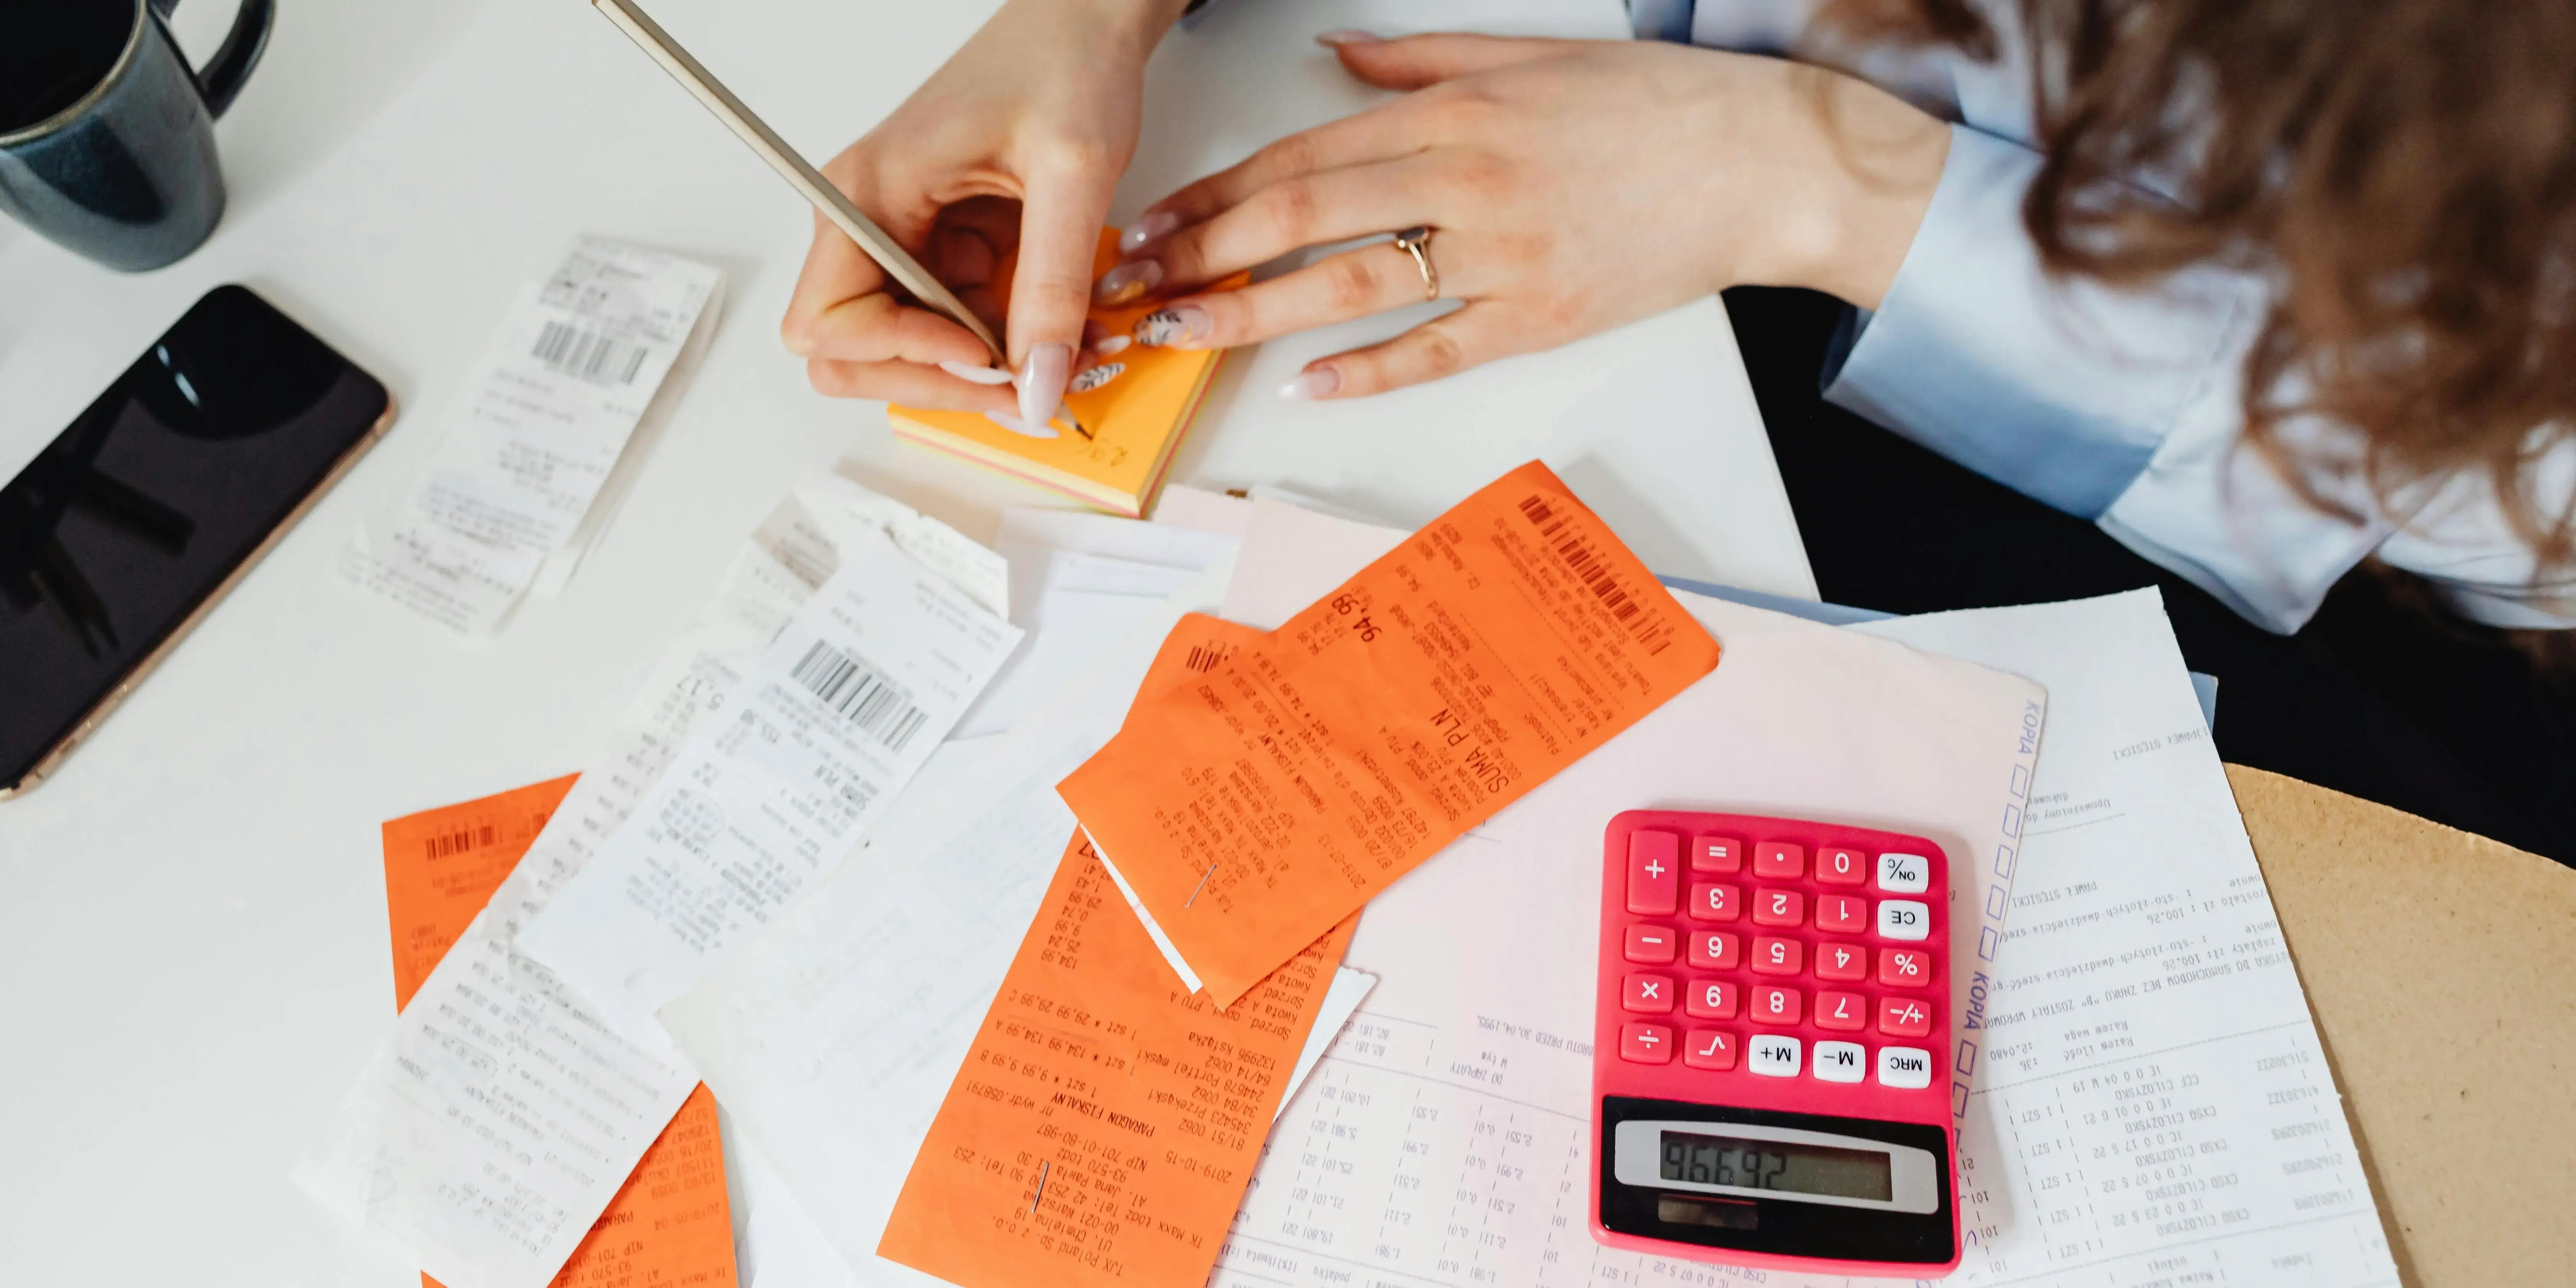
(1904, 1068)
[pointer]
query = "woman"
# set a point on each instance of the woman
(2263, 287)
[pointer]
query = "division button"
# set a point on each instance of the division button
(1771, 1055)
(1904, 1068)
(1904, 919)
(1646, 1043)
(1841, 1062)
(1904, 873)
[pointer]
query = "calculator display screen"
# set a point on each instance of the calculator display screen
(1776, 1165)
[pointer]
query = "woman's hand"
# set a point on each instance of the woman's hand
(1574, 186)
(1015, 143)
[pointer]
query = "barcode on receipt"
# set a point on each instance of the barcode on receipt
(587, 355)
(854, 687)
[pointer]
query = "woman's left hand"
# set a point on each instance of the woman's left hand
(1572, 185)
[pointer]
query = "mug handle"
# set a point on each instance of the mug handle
(220, 81)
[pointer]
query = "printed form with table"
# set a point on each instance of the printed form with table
(1260, 892)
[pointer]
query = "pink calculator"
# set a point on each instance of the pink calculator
(1768, 1042)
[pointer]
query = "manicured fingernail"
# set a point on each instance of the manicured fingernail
(1311, 384)
(1346, 36)
(1113, 344)
(1155, 223)
(1128, 282)
(1090, 378)
(978, 375)
(1042, 379)
(1182, 326)
(1019, 426)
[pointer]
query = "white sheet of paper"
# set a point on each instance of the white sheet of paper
(1067, 629)
(2154, 1102)
(851, 698)
(574, 369)
(1342, 1000)
(1084, 532)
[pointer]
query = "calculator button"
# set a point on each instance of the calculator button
(1717, 854)
(1779, 907)
(1774, 1005)
(1651, 944)
(1772, 1055)
(1778, 956)
(1904, 967)
(1841, 867)
(1904, 1068)
(1904, 873)
(1841, 1062)
(1708, 1049)
(1902, 1017)
(1842, 1012)
(1716, 903)
(1779, 859)
(1842, 914)
(1710, 999)
(1646, 1043)
(1652, 994)
(1654, 873)
(1842, 962)
(1899, 919)
(1712, 950)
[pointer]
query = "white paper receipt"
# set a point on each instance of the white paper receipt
(848, 702)
(574, 370)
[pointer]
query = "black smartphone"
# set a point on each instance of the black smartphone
(128, 529)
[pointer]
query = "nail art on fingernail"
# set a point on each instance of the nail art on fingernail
(1128, 282)
(1019, 426)
(977, 375)
(1320, 382)
(1090, 378)
(1182, 326)
(1154, 224)
(1347, 36)
(1112, 344)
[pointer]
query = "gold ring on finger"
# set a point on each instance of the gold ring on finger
(1416, 241)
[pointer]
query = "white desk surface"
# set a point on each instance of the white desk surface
(193, 958)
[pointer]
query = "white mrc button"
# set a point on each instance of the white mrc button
(1772, 1056)
(1904, 1068)
(1903, 919)
(1841, 1062)
(1904, 873)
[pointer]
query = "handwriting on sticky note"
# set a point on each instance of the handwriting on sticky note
(671, 1224)
(1255, 807)
(1106, 1121)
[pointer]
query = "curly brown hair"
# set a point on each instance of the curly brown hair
(2404, 169)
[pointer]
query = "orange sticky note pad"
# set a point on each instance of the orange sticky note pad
(672, 1223)
(1263, 802)
(1103, 1127)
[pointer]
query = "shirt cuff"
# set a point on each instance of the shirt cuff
(2059, 389)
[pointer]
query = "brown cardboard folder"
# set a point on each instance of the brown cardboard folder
(2442, 970)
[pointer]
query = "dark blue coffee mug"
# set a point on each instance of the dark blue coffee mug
(107, 136)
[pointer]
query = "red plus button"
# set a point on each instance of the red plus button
(1654, 873)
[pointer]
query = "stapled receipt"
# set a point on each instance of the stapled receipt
(576, 367)
(1252, 810)
(848, 702)
(1106, 1120)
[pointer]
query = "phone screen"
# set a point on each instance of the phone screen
(140, 512)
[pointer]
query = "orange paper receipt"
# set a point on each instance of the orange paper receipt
(1255, 807)
(1106, 1121)
(671, 1224)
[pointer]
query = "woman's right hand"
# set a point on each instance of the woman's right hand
(1015, 144)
